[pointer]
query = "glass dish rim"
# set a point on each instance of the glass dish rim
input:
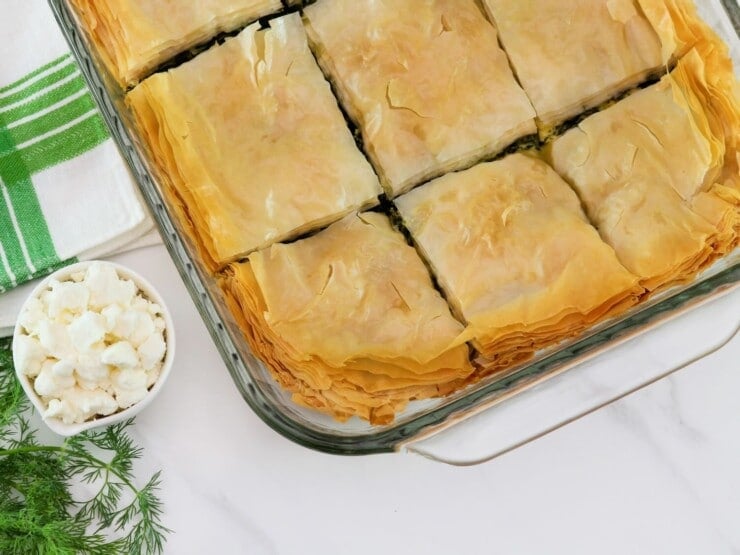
(395, 436)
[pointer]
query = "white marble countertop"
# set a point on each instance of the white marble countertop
(657, 472)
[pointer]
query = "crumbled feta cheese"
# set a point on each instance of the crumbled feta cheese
(47, 384)
(121, 354)
(122, 322)
(134, 326)
(100, 383)
(140, 303)
(33, 313)
(129, 380)
(100, 280)
(77, 405)
(91, 403)
(29, 354)
(126, 292)
(44, 298)
(111, 314)
(152, 375)
(86, 330)
(144, 328)
(92, 372)
(152, 350)
(106, 288)
(126, 398)
(90, 365)
(62, 410)
(92, 345)
(55, 340)
(63, 369)
(129, 386)
(67, 297)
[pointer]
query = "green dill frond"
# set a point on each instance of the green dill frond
(38, 512)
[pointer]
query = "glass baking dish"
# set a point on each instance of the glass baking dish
(538, 383)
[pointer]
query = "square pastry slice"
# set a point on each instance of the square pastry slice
(348, 320)
(517, 258)
(133, 37)
(252, 142)
(658, 171)
(425, 80)
(574, 55)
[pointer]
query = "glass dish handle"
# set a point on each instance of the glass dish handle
(621, 371)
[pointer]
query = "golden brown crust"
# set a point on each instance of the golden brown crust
(515, 255)
(426, 81)
(657, 172)
(252, 141)
(133, 37)
(575, 55)
(678, 26)
(348, 320)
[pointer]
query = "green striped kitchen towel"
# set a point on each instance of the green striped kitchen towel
(65, 192)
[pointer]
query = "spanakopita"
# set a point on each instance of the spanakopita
(133, 37)
(425, 80)
(348, 320)
(574, 55)
(252, 143)
(658, 171)
(516, 256)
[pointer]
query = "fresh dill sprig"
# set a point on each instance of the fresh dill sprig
(39, 513)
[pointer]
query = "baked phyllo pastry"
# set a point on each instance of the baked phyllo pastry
(133, 37)
(573, 55)
(425, 81)
(516, 256)
(658, 171)
(678, 26)
(348, 320)
(252, 143)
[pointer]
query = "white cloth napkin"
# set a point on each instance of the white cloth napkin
(65, 192)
